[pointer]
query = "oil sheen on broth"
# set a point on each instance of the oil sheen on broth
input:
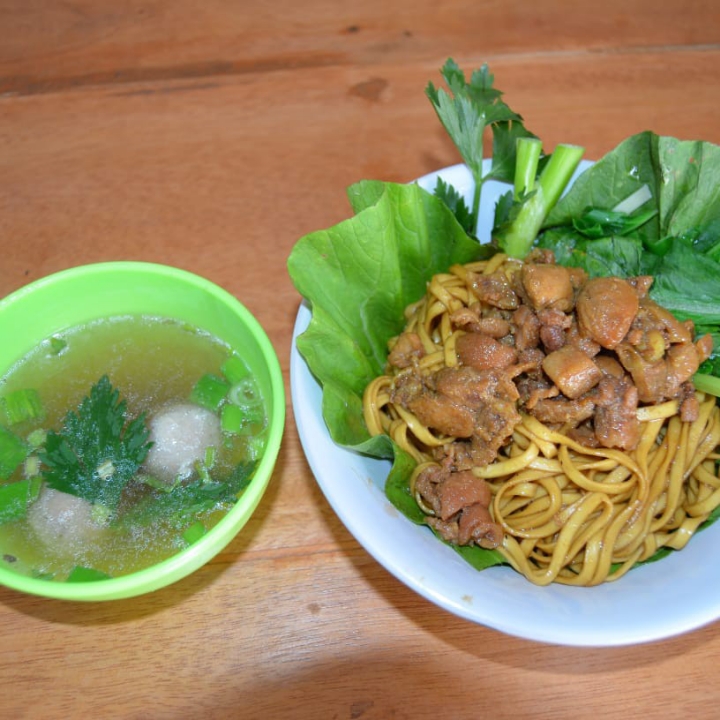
(154, 363)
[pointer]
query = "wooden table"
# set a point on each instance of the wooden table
(211, 136)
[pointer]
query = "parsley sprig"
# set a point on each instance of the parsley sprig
(97, 451)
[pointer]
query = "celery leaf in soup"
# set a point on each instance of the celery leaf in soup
(96, 452)
(186, 502)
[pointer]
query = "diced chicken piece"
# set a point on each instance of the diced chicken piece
(476, 525)
(616, 423)
(559, 411)
(683, 361)
(495, 290)
(573, 336)
(527, 328)
(606, 308)
(609, 366)
(460, 490)
(552, 337)
(468, 319)
(494, 327)
(651, 379)
(408, 348)
(460, 502)
(704, 346)
(677, 332)
(572, 371)
(548, 286)
(689, 404)
(642, 284)
(442, 414)
(483, 352)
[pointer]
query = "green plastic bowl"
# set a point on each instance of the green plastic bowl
(89, 292)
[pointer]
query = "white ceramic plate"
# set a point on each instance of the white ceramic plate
(655, 601)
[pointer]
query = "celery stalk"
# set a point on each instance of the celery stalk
(707, 383)
(517, 238)
(529, 150)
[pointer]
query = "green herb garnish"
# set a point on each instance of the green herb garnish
(185, 502)
(97, 451)
(466, 112)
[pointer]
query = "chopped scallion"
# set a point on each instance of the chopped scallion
(245, 393)
(209, 392)
(194, 532)
(86, 574)
(210, 453)
(36, 438)
(21, 405)
(234, 370)
(15, 498)
(13, 451)
(529, 150)
(32, 466)
(231, 419)
(255, 447)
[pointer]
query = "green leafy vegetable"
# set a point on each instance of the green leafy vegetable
(96, 452)
(596, 223)
(359, 276)
(456, 202)
(674, 235)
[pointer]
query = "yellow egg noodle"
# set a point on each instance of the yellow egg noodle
(570, 514)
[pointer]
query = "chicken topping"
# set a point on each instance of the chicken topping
(606, 308)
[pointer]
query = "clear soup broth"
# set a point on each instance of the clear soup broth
(156, 366)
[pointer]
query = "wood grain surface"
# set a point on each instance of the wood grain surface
(211, 136)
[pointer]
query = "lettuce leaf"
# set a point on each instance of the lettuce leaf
(359, 276)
